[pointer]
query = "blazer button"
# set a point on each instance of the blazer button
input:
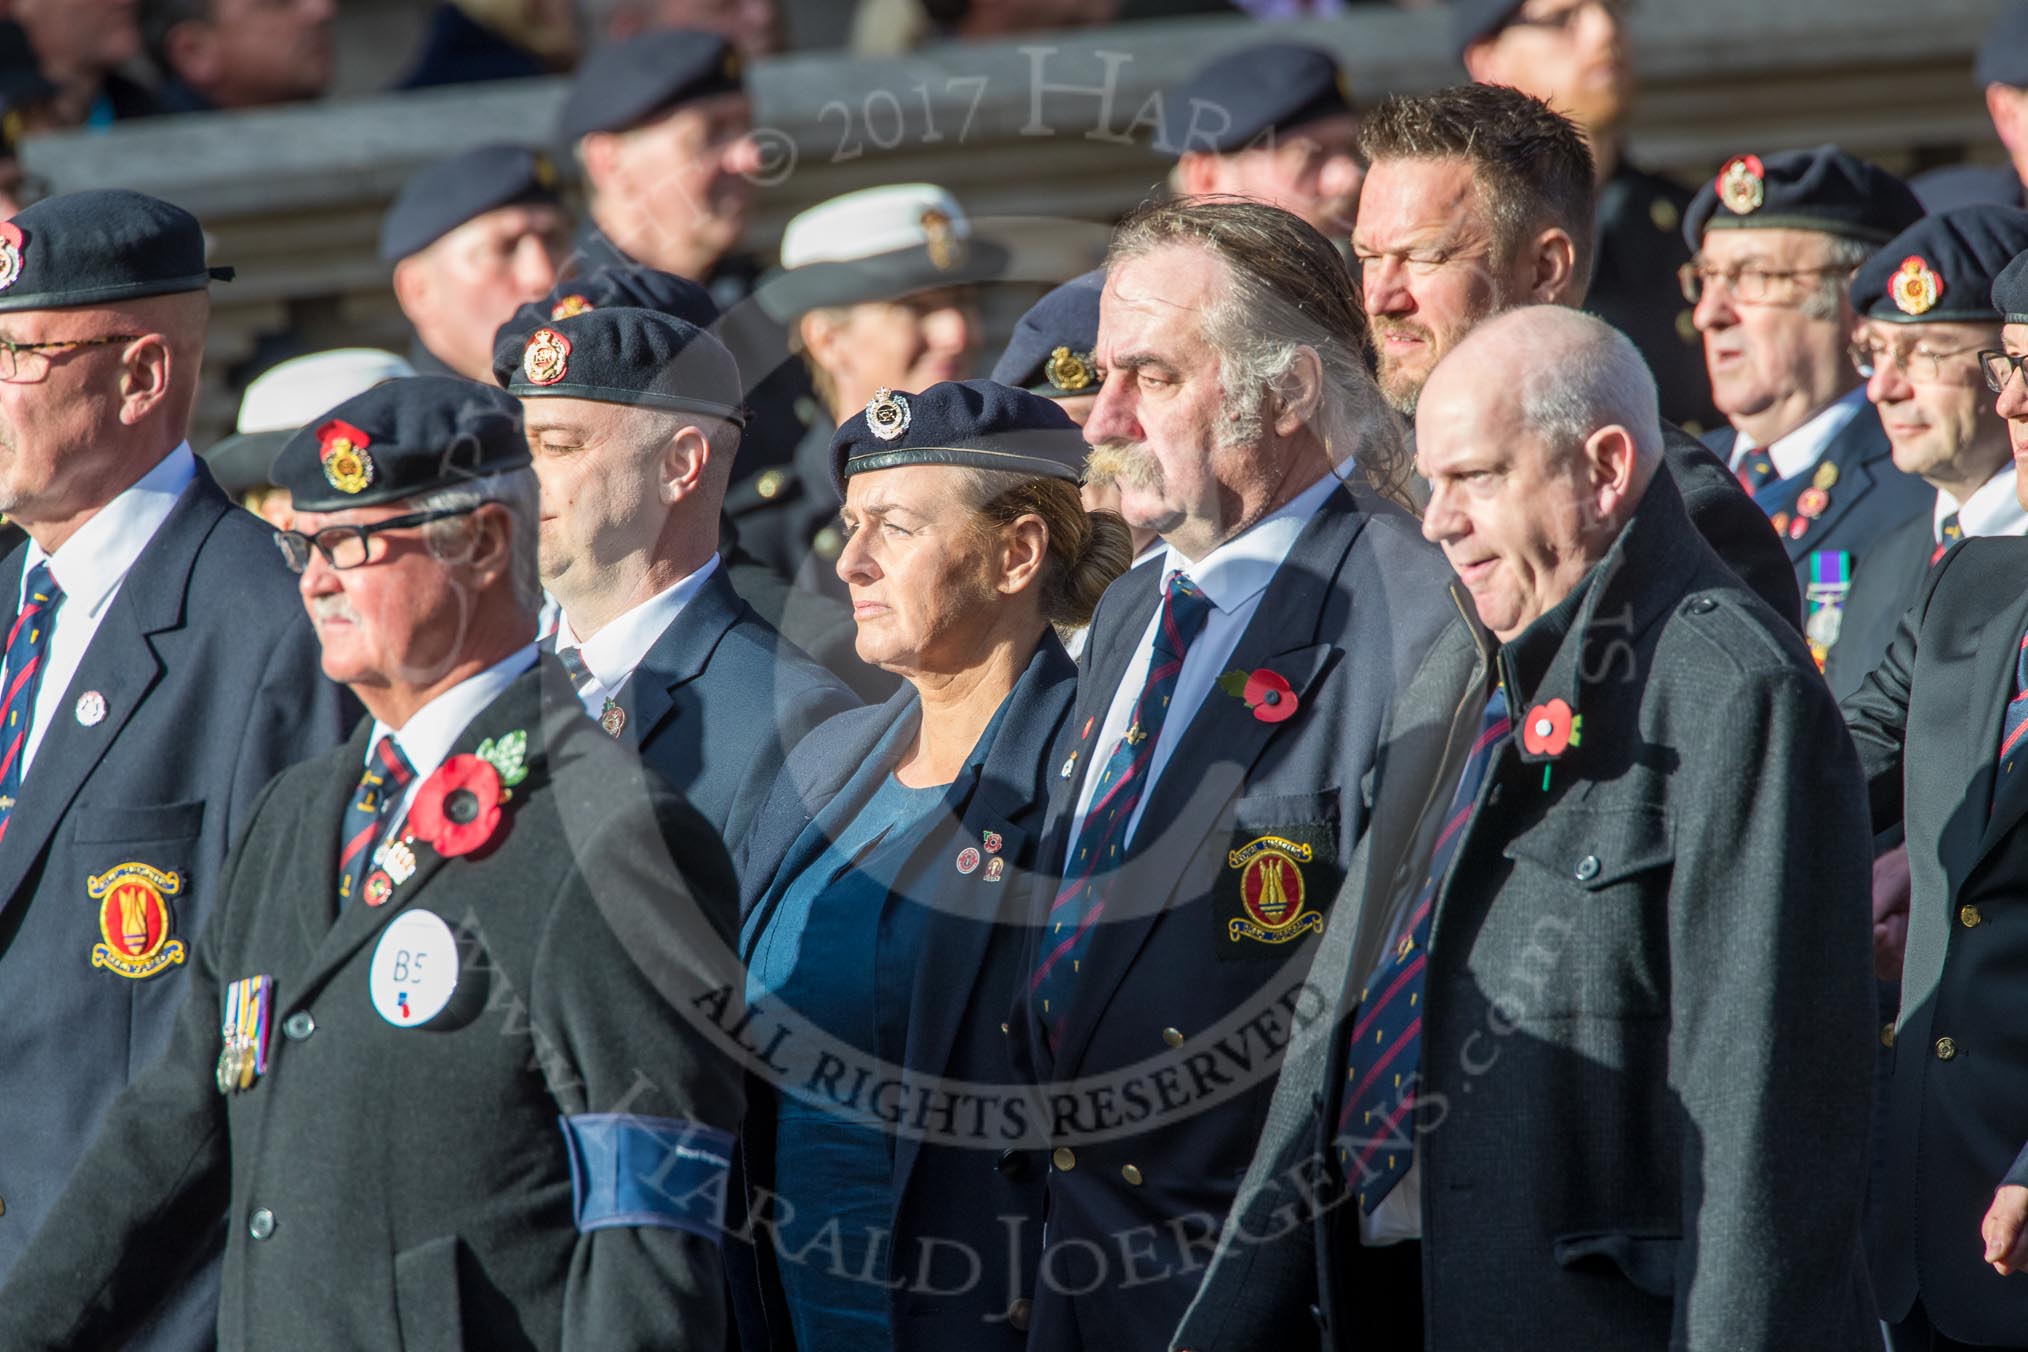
(1172, 1036)
(1702, 605)
(1064, 1158)
(1969, 916)
(1017, 1315)
(1317, 1313)
(1131, 1174)
(261, 1224)
(1887, 1033)
(1945, 1049)
(1587, 868)
(1011, 1163)
(298, 1025)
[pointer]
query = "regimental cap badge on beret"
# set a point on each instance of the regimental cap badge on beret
(940, 238)
(1742, 184)
(13, 243)
(342, 448)
(1068, 370)
(1915, 286)
(887, 414)
(543, 171)
(570, 305)
(546, 359)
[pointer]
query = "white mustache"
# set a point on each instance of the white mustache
(334, 607)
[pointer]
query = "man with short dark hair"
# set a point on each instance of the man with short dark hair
(217, 54)
(1479, 198)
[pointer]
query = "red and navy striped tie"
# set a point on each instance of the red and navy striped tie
(2013, 745)
(387, 774)
(27, 643)
(1374, 1147)
(1756, 469)
(1121, 785)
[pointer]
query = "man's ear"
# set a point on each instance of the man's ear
(1552, 278)
(1481, 63)
(146, 372)
(1299, 392)
(191, 50)
(1197, 173)
(1612, 458)
(412, 285)
(823, 337)
(599, 154)
(685, 461)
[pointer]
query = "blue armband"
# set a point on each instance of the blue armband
(627, 1169)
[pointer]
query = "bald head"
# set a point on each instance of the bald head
(1538, 435)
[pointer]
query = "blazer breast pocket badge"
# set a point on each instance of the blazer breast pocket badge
(1274, 887)
(134, 920)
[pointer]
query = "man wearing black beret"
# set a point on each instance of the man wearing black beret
(1274, 123)
(470, 238)
(633, 420)
(1776, 241)
(1939, 725)
(1574, 55)
(158, 671)
(428, 1064)
(2001, 73)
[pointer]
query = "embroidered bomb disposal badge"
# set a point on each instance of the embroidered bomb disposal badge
(1274, 886)
(134, 920)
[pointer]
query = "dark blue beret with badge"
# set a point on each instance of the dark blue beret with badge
(980, 424)
(1250, 93)
(1942, 268)
(1823, 189)
(399, 440)
(637, 288)
(2003, 52)
(440, 197)
(624, 84)
(1052, 350)
(1472, 20)
(99, 248)
(624, 356)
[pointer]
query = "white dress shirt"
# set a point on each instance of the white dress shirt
(610, 655)
(1992, 509)
(431, 731)
(90, 566)
(1232, 577)
(1801, 449)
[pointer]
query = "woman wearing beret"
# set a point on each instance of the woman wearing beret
(881, 886)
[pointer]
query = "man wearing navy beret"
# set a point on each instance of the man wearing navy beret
(428, 1062)
(470, 238)
(1940, 728)
(158, 672)
(633, 419)
(1275, 123)
(1776, 241)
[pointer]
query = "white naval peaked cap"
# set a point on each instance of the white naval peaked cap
(869, 222)
(291, 393)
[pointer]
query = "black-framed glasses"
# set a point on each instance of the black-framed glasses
(351, 546)
(1749, 285)
(2000, 367)
(18, 360)
(1919, 364)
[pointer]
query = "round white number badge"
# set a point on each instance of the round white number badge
(415, 969)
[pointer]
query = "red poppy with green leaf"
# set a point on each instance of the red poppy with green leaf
(1267, 693)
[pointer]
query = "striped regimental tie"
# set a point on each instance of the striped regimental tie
(27, 645)
(387, 774)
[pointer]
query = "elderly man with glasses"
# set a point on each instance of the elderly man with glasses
(157, 673)
(1776, 241)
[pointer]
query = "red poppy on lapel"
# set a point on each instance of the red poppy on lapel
(1267, 693)
(1551, 729)
(457, 810)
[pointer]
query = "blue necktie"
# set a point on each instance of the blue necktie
(1121, 785)
(387, 774)
(1386, 1043)
(1755, 470)
(26, 646)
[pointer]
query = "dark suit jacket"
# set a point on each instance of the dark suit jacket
(212, 683)
(1725, 515)
(1883, 588)
(1928, 723)
(720, 701)
(417, 1179)
(1869, 498)
(979, 1187)
(1345, 620)
(1645, 1053)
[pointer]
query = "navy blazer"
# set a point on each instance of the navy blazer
(211, 680)
(719, 702)
(984, 1186)
(1176, 1023)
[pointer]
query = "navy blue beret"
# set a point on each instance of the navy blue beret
(1823, 189)
(625, 356)
(1472, 20)
(1942, 268)
(440, 197)
(100, 247)
(2003, 52)
(1051, 352)
(626, 83)
(1268, 88)
(636, 287)
(2010, 291)
(975, 423)
(400, 440)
